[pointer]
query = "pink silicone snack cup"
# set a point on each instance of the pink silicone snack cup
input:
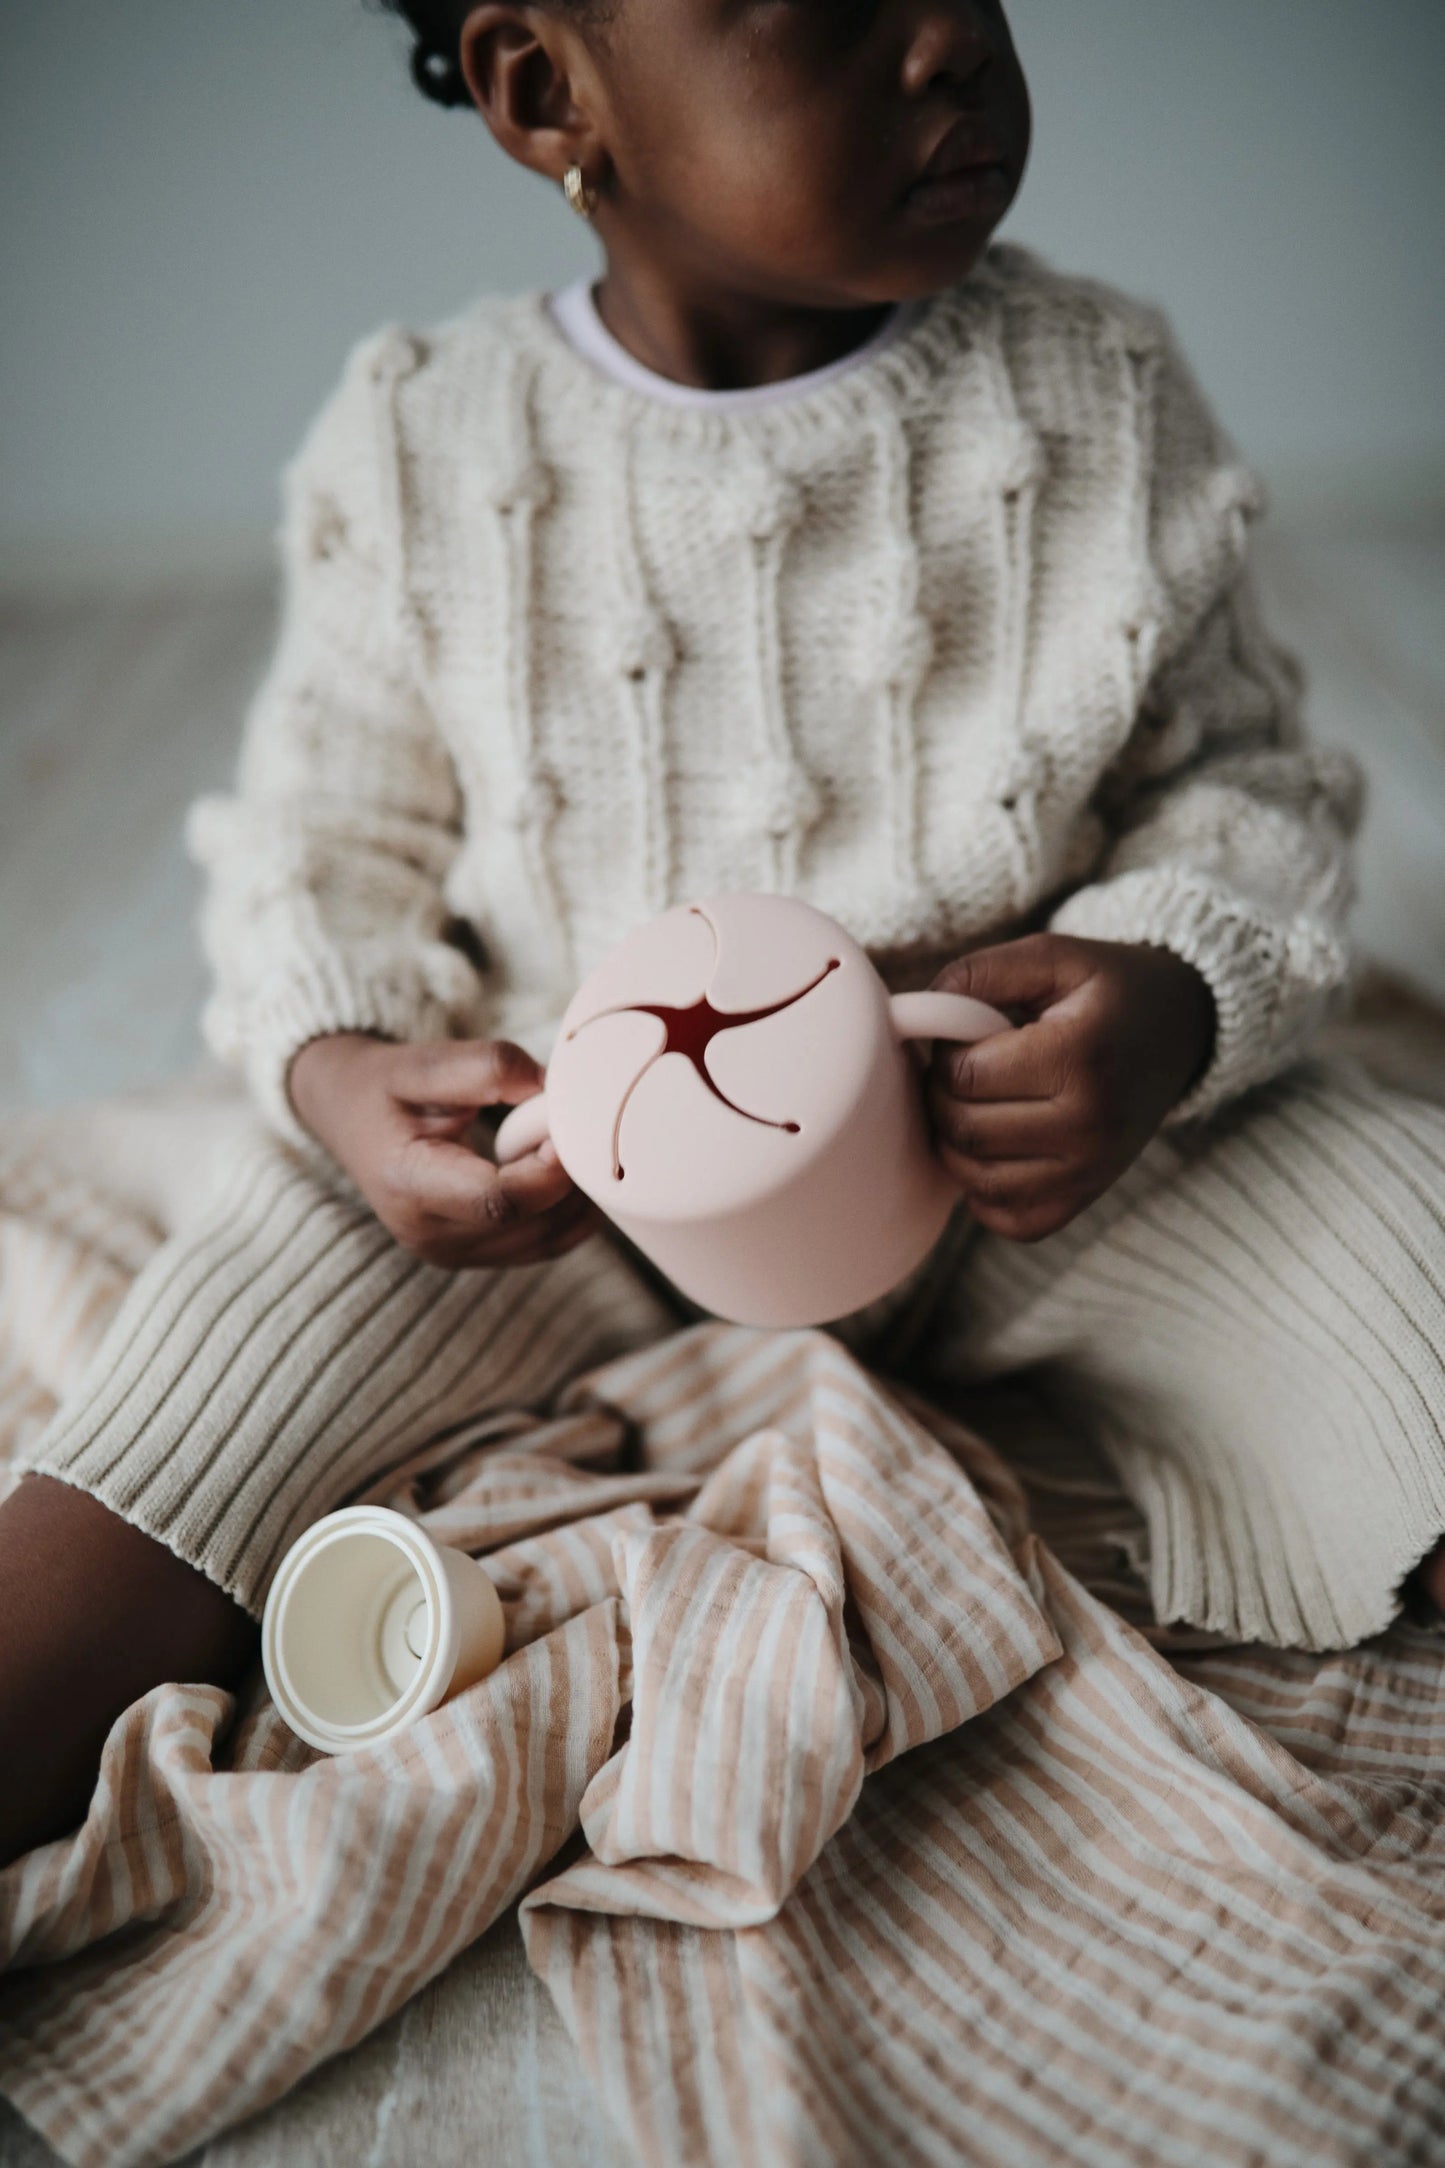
(737, 1089)
(369, 1625)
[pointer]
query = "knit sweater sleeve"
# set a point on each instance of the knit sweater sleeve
(1229, 835)
(324, 909)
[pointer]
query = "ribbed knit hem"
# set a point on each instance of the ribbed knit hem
(284, 1352)
(1268, 993)
(1253, 1574)
(1251, 1326)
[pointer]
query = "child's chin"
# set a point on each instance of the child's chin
(947, 254)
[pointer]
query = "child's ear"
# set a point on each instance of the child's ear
(520, 68)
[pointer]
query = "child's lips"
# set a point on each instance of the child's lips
(966, 192)
(965, 172)
(967, 141)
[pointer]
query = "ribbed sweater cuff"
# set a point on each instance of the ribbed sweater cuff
(321, 996)
(1243, 957)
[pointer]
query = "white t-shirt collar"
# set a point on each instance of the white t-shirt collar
(576, 314)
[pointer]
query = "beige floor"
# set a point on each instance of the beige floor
(477, 2069)
(114, 712)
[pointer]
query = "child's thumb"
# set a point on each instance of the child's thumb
(469, 1073)
(1029, 974)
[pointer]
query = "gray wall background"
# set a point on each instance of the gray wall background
(203, 204)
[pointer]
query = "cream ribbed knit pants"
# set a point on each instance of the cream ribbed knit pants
(1250, 1322)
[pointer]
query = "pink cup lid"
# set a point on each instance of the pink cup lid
(769, 1034)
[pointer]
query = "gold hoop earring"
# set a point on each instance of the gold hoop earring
(582, 198)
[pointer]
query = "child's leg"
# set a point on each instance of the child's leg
(268, 1363)
(93, 1614)
(1251, 1323)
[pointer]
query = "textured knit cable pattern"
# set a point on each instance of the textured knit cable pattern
(960, 641)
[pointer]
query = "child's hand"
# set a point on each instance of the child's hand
(396, 1116)
(1036, 1123)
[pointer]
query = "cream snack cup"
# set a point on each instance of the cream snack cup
(369, 1624)
(737, 1089)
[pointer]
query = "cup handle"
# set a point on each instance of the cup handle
(521, 1130)
(937, 1015)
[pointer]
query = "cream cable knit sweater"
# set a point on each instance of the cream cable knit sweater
(961, 641)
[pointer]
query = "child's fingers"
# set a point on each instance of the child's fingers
(1007, 1184)
(1028, 973)
(449, 1182)
(465, 1073)
(1027, 1063)
(997, 1129)
(537, 1240)
(530, 1242)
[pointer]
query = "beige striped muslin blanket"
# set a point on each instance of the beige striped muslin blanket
(904, 1836)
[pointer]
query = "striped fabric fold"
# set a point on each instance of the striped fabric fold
(833, 1599)
(1117, 1919)
(896, 1831)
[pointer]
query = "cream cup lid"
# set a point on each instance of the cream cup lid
(359, 1636)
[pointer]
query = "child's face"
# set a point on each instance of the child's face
(770, 145)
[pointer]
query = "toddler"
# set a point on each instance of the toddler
(819, 546)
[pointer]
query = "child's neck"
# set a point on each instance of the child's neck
(718, 340)
(574, 311)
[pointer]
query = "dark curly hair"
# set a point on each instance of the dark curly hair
(436, 25)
